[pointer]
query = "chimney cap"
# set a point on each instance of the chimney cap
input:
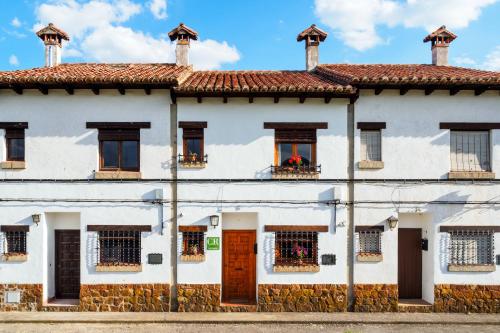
(313, 30)
(51, 29)
(441, 32)
(180, 30)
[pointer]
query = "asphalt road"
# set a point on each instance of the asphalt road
(236, 328)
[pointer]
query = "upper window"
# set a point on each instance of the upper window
(14, 140)
(119, 149)
(295, 148)
(193, 150)
(371, 145)
(470, 151)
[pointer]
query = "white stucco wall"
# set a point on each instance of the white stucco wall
(413, 146)
(238, 146)
(58, 144)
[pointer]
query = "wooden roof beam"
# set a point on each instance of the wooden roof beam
(70, 91)
(479, 91)
(96, 91)
(276, 99)
(18, 90)
(121, 90)
(454, 91)
(44, 90)
(378, 91)
(428, 91)
(403, 91)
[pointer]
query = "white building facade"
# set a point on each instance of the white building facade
(159, 188)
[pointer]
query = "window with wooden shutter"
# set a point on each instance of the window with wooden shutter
(14, 139)
(193, 150)
(119, 149)
(470, 151)
(371, 145)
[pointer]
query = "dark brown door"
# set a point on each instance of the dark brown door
(238, 273)
(67, 264)
(410, 263)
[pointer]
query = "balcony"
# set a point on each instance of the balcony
(295, 172)
(193, 161)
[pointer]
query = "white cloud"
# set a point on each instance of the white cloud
(15, 22)
(98, 34)
(78, 18)
(158, 8)
(356, 22)
(13, 60)
(492, 61)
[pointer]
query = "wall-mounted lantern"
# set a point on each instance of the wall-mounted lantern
(393, 222)
(36, 218)
(214, 220)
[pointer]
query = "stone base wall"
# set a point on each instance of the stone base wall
(31, 297)
(302, 298)
(375, 297)
(125, 297)
(467, 298)
(198, 297)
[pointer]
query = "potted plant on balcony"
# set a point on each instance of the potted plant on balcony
(193, 157)
(193, 249)
(294, 162)
(299, 253)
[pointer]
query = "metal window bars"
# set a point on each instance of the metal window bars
(471, 247)
(16, 242)
(296, 248)
(192, 159)
(370, 241)
(193, 243)
(119, 247)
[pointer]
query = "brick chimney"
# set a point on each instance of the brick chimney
(183, 35)
(312, 36)
(440, 41)
(52, 38)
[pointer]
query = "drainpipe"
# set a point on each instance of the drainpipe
(350, 205)
(173, 208)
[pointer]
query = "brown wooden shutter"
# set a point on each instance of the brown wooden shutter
(295, 135)
(14, 133)
(192, 133)
(119, 134)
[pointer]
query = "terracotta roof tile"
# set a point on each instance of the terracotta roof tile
(96, 74)
(407, 74)
(260, 82)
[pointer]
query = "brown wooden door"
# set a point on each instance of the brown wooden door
(410, 263)
(238, 273)
(67, 253)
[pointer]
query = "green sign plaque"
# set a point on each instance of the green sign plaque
(213, 243)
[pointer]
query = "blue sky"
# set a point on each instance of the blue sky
(255, 34)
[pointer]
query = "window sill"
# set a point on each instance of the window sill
(193, 165)
(118, 268)
(293, 268)
(471, 268)
(369, 257)
(13, 165)
(117, 175)
(370, 164)
(192, 258)
(15, 257)
(471, 175)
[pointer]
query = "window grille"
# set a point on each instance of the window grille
(119, 247)
(295, 248)
(193, 243)
(370, 241)
(16, 242)
(470, 247)
(470, 151)
(371, 145)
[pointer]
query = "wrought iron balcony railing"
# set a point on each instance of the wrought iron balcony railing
(296, 170)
